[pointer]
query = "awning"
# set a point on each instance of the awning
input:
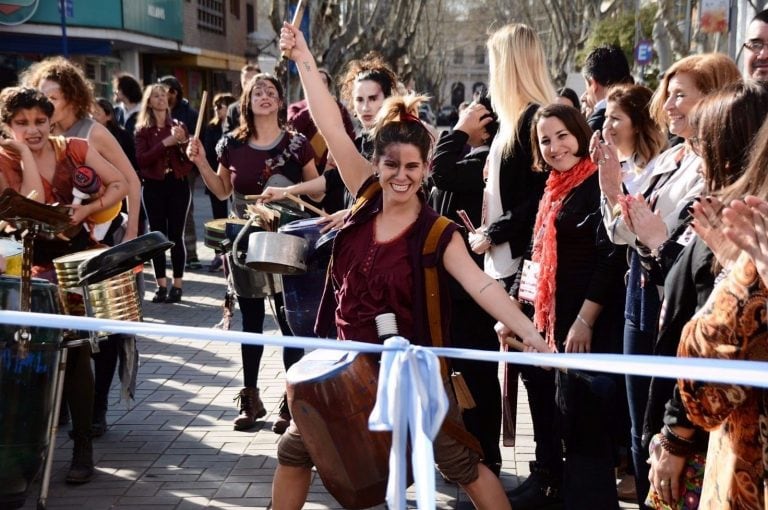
(47, 45)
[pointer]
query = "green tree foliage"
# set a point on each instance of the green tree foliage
(619, 30)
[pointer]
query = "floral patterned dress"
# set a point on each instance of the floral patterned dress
(732, 325)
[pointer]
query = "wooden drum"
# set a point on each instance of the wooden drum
(331, 395)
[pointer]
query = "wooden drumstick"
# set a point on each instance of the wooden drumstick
(201, 114)
(296, 22)
(320, 212)
(600, 385)
(255, 197)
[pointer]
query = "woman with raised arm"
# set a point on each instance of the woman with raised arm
(259, 148)
(377, 265)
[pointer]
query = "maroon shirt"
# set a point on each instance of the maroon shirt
(372, 278)
(154, 158)
(251, 165)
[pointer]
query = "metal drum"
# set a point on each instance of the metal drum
(331, 394)
(26, 392)
(215, 233)
(247, 282)
(116, 297)
(302, 292)
(277, 253)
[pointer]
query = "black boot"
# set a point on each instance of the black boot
(540, 491)
(99, 426)
(81, 470)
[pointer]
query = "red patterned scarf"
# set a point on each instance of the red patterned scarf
(559, 185)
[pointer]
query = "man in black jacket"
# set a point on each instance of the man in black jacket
(605, 66)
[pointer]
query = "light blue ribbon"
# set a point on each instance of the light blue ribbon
(410, 398)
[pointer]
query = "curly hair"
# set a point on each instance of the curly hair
(75, 87)
(13, 99)
(398, 122)
(371, 67)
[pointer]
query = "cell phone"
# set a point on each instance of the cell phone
(465, 219)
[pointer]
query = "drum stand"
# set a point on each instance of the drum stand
(31, 231)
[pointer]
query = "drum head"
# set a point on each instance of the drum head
(122, 258)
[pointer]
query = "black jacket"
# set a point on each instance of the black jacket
(688, 285)
(597, 119)
(521, 191)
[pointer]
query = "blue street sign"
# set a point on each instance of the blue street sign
(644, 52)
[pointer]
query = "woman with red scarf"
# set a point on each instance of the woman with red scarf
(578, 301)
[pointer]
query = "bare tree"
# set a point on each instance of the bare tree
(342, 30)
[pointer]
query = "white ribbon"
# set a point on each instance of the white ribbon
(410, 398)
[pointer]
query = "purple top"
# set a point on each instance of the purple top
(251, 165)
(372, 278)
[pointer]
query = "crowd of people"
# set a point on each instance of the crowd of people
(627, 221)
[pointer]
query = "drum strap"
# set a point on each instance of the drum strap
(432, 288)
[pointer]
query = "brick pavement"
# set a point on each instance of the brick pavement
(175, 449)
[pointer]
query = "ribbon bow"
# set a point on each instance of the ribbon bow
(410, 398)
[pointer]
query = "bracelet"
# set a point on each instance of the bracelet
(676, 449)
(670, 434)
(581, 319)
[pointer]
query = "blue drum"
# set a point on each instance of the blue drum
(26, 392)
(302, 292)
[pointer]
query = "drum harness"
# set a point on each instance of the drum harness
(434, 315)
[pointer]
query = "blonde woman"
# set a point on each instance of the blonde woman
(164, 166)
(519, 86)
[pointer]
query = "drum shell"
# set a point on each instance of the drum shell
(330, 402)
(233, 228)
(215, 233)
(277, 253)
(303, 292)
(26, 390)
(116, 297)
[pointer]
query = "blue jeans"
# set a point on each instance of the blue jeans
(638, 342)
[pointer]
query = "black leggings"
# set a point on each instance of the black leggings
(253, 322)
(166, 203)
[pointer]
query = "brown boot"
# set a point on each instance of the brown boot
(81, 469)
(283, 418)
(251, 408)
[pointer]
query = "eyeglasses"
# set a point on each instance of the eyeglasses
(755, 45)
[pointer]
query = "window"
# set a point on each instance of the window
(250, 19)
(210, 15)
(479, 54)
(458, 56)
(234, 8)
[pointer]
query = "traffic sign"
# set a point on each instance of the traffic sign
(644, 52)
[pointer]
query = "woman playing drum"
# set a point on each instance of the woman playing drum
(259, 148)
(33, 160)
(377, 267)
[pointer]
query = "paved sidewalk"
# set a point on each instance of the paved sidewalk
(176, 449)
